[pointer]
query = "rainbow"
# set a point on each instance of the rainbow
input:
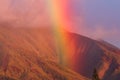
(59, 16)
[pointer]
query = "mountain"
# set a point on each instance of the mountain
(89, 54)
(30, 54)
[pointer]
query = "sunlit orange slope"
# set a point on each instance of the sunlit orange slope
(30, 54)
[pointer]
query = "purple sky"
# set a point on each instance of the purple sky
(98, 19)
(104, 15)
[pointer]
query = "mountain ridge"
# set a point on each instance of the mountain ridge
(90, 54)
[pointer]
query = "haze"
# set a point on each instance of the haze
(96, 19)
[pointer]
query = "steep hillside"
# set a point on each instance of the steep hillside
(89, 54)
(30, 54)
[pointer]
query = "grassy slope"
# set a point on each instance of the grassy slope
(29, 54)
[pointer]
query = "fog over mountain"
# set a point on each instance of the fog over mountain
(24, 12)
(28, 49)
(37, 13)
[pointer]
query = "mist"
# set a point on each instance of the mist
(32, 13)
(36, 13)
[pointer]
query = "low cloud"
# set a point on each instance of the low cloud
(110, 34)
(102, 32)
(24, 12)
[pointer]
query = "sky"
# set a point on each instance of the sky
(98, 19)
(102, 19)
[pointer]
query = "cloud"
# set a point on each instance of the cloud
(110, 34)
(5, 13)
(101, 32)
(24, 12)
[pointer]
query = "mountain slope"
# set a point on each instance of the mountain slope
(29, 54)
(89, 54)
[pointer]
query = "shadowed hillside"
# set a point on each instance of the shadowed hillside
(89, 54)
